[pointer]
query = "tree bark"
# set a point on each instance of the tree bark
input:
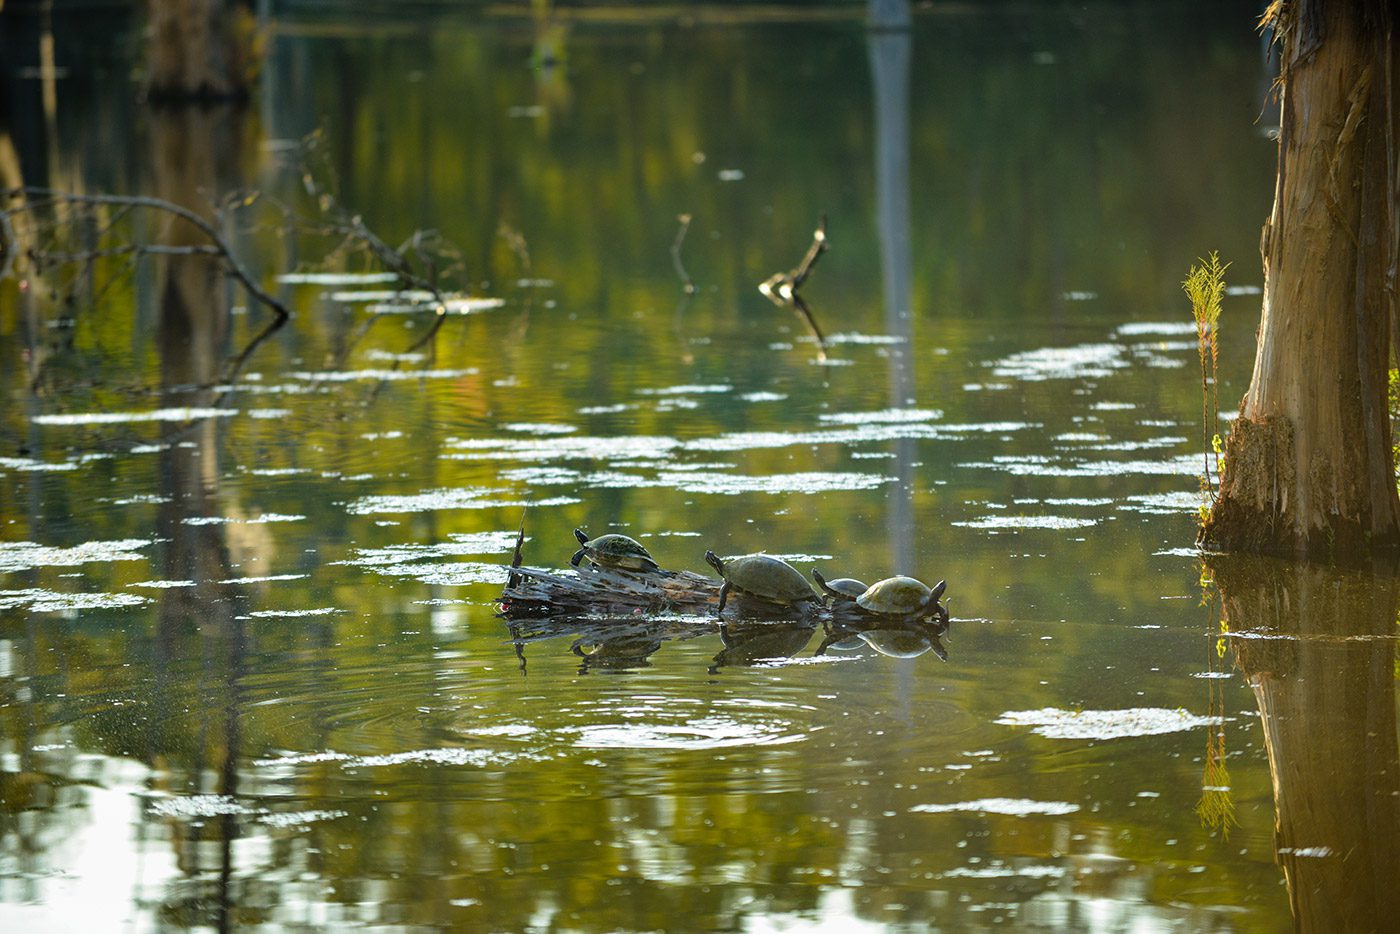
(1308, 467)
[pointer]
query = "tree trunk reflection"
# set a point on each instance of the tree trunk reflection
(1317, 646)
(193, 162)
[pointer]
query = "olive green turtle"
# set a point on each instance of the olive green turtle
(613, 551)
(843, 588)
(902, 596)
(762, 576)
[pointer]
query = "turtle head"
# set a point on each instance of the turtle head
(817, 576)
(582, 538)
(713, 560)
(931, 601)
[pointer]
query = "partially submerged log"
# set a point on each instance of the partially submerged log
(592, 591)
(620, 617)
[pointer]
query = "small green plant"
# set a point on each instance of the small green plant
(1393, 397)
(1205, 287)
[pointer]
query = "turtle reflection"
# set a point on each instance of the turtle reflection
(758, 643)
(618, 652)
(893, 637)
(607, 643)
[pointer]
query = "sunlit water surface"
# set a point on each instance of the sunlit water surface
(251, 670)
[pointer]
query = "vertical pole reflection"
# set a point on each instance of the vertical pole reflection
(891, 48)
(1317, 645)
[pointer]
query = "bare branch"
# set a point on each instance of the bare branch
(687, 283)
(280, 311)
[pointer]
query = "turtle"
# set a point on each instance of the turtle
(902, 596)
(843, 588)
(613, 551)
(762, 576)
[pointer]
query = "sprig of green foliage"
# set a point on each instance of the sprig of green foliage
(1205, 287)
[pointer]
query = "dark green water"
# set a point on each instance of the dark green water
(250, 667)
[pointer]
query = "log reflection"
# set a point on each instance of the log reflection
(1317, 645)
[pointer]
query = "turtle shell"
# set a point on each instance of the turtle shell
(767, 577)
(842, 586)
(895, 596)
(618, 551)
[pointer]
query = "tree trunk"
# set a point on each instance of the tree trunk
(1308, 468)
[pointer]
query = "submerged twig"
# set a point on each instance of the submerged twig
(687, 283)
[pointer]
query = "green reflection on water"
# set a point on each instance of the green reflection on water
(1004, 194)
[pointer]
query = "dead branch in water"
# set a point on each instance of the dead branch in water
(594, 590)
(781, 287)
(784, 285)
(26, 196)
(687, 283)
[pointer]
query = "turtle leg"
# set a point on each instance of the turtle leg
(723, 596)
(578, 556)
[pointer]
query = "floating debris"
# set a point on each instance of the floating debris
(347, 376)
(263, 580)
(29, 463)
(49, 601)
(690, 390)
(884, 417)
(195, 807)
(1014, 807)
(460, 498)
(528, 428)
(1085, 361)
(1166, 328)
(451, 755)
(289, 819)
(1028, 522)
(450, 306)
(1183, 465)
(118, 418)
(235, 520)
(25, 556)
(1053, 723)
(337, 278)
(713, 732)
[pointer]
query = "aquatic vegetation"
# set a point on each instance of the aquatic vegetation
(1205, 287)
